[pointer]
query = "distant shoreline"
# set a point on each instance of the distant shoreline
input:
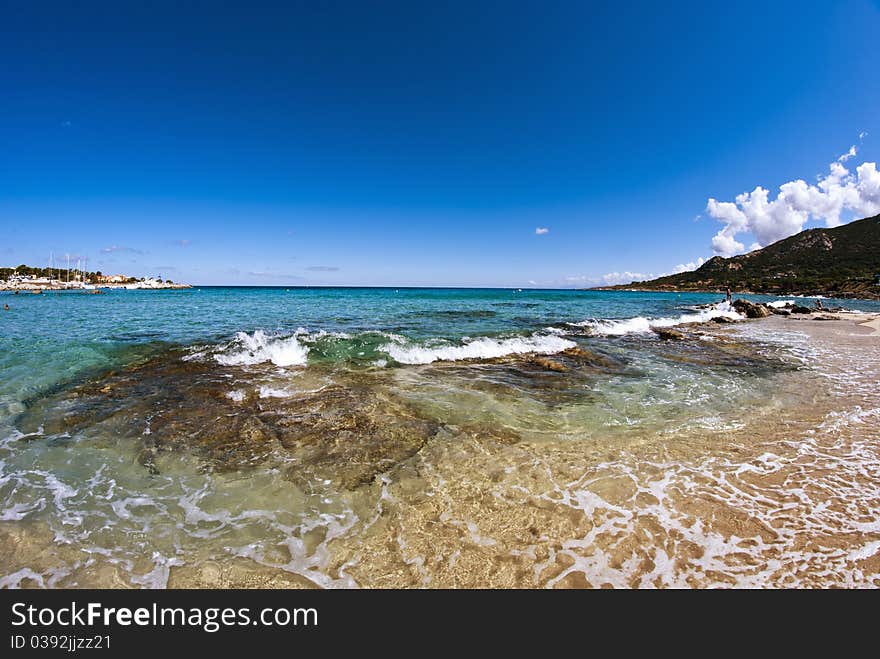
(840, 295)
(102, 287)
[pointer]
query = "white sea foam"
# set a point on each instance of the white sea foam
(640, 324)
(778, 304)
(14, 580)
(272, 392)
(482, 348)
(260, 347)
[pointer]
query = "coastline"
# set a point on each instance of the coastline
(840, 295)
(474, 471)
(31, 288)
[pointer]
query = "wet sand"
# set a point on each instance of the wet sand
(873, 324)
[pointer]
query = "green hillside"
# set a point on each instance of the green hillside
(843, 262)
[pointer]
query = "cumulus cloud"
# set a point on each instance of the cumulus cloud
(120, 248)
(625, 277)
(540, 231)
(614, 278)
(687, 267)
(770, 220)
(323, 268)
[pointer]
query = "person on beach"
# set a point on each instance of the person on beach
(728, 295)
(819, 306)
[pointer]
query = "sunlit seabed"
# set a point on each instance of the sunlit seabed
(473, 439)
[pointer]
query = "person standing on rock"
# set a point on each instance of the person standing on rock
(728, 295)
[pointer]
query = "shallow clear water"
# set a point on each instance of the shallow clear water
(147, 433)
(53, 337)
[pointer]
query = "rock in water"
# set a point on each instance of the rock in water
(750, 309)
(779, 312)
(799, 309)
(549, 364)
(722, 320)
(668, 334)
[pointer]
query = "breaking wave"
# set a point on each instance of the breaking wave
(482, 348)
(257, 348)
(640, 324)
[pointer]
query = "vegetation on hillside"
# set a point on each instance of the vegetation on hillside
(841, 262)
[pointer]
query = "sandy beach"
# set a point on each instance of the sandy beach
(873, 323)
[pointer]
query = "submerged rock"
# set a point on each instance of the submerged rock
(346, 432)
(549, 364)
(583, 357)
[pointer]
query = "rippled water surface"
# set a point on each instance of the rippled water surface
(413, 437)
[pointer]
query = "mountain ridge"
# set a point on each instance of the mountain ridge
(842, 261)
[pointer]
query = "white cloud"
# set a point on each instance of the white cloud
(120, 248)
(797, 201)
(690, 265)
(625, 277)
(863, 134)
(540, 231)
(849, 154)
(725, 244)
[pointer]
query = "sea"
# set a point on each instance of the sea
(430, 437)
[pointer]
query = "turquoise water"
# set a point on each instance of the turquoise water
(55, 337)
(145, 431)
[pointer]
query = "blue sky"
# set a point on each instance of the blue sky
(413, 143)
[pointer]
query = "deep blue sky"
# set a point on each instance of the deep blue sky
(408, 143)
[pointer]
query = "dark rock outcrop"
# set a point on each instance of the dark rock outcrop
(751, 309)
(668, 334)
